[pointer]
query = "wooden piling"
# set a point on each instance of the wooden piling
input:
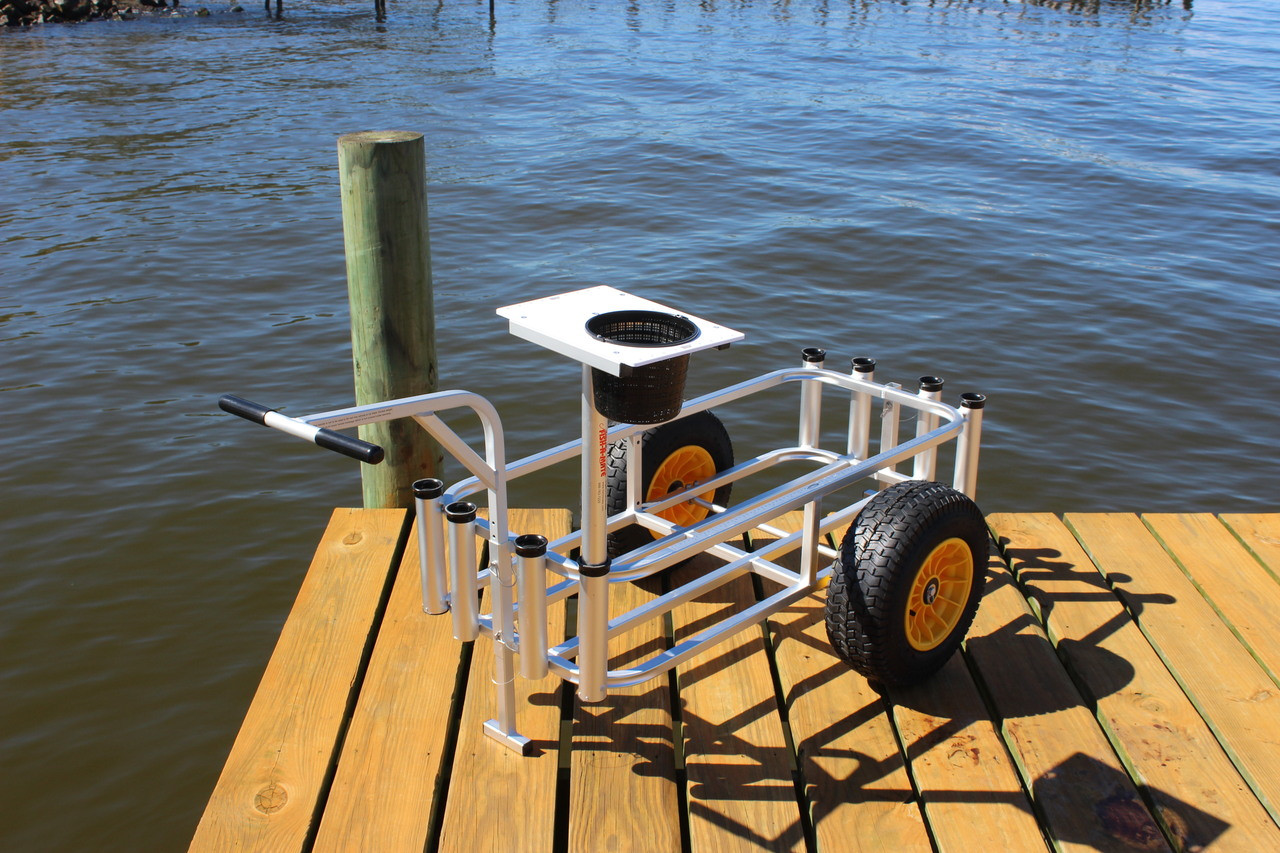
(384, 224)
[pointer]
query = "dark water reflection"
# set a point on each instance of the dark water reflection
(1069, 207)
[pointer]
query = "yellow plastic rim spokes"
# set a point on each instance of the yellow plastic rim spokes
(682, 468)
(938, 594)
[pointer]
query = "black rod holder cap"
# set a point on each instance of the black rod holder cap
(428, 489)
(531, 545)
(863, 364)
(971, 400)
(813, 355)
(931, 383)
(460, 512)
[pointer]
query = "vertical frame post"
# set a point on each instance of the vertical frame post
(593, 591)
(810, 435)
(888, 434)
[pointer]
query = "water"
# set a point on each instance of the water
(1070, 209)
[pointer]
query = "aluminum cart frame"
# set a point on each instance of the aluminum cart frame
(518, 565)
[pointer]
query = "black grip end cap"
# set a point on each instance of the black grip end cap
(243, 408)
(370, 454)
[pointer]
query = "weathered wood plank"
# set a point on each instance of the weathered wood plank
(266, 797)
(1232, 692)
(968, 785)
(497, 800)
(622, 789)
(1158, 733)
(390, 764)
(1260, 534)
(855, 780)
(1085, 798)
(1235, 583)
(741, 790)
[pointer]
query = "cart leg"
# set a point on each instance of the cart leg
(503, 727)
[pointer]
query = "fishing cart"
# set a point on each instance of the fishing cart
(901, 590)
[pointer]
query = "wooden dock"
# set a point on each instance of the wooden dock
(1118, 691)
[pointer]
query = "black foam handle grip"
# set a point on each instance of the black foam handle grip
(243, 408)
(370, 454)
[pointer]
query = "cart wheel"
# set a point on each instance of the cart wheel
(675, 454)
(907, 583)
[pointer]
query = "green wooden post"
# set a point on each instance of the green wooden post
(384, 225)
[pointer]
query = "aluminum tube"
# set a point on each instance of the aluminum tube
(696, 645)
(811, 400)
(462, 570)
(888, 430)
(431, 564)
(570, 449)
(860, 410)
(595, 466)
(593, 637)
(966, 475)
(531, 550)
(926, 463)
(593, 595)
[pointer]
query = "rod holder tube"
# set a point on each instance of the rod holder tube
(811, 399)
(860, 410)
(966, 475)
(593, 631)
(531, 551)
(431, 564)
(926, 463)
(462, 569)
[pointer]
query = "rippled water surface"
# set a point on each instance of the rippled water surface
(1071, 209)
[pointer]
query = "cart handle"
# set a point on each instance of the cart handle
(370, 454)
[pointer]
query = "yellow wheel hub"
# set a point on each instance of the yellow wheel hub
(684, 467)
(938, 594)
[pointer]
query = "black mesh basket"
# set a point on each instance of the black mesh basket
(652, 393)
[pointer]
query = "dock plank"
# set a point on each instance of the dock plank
(969, 788)
(1231, 578)
(1260, 533)
(390, 765)
(859, 795)
(740, 786)
(1231, 690)
(498, 800)
(1159, 735)
(1085, 799)
(622, 791)
(267, 796)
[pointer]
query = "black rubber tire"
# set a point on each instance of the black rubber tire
(880, 557)
(701, 429)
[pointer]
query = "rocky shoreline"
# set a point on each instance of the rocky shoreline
(23, 13)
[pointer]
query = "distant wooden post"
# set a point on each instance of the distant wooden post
(384, 225)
